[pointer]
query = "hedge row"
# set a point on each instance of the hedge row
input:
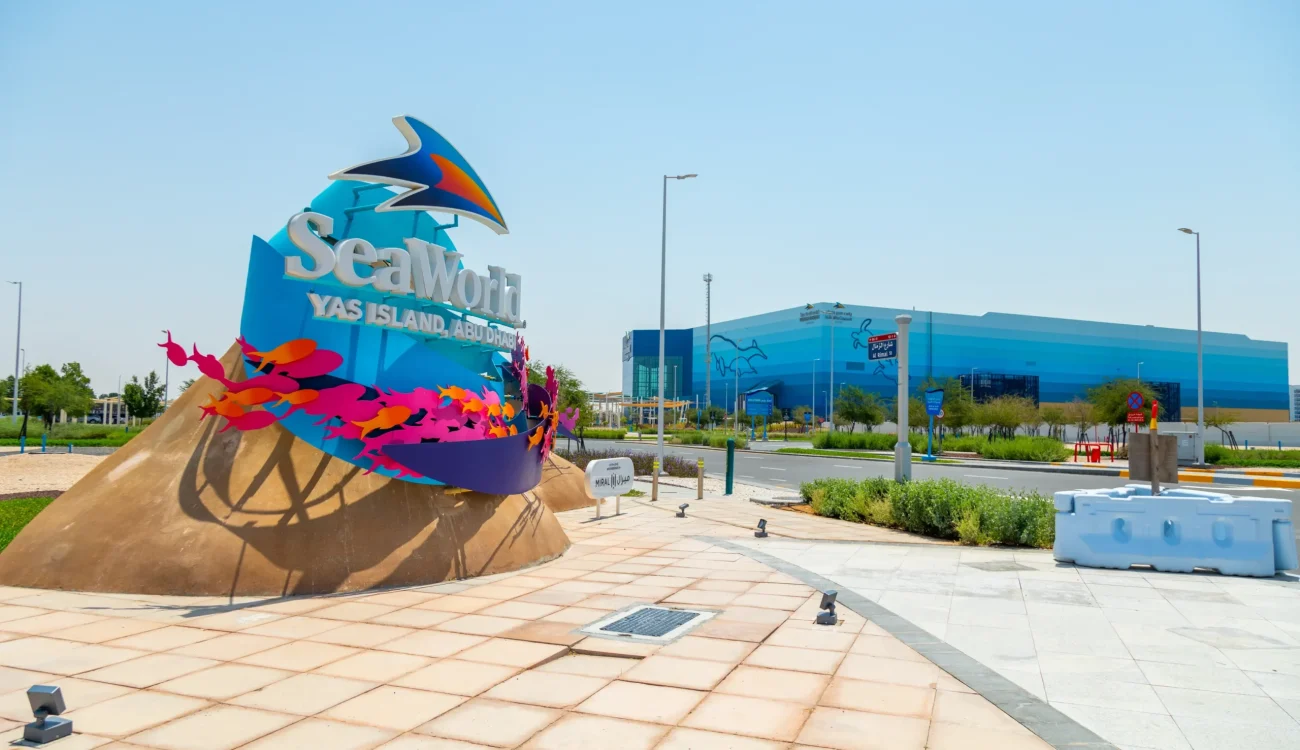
(942, 508)
(1221, 456)
(711, 439)
(642, 463)
(1019, 448)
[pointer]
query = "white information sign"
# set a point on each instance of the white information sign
(609, 477)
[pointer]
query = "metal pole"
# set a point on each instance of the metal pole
(972, 384)
(663, 271)
(902, 449)
(708, 340)
(1200, 365)
(830, 405)
(18, 340)
(167, 378)
(814, 390)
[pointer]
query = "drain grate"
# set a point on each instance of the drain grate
(651, 622)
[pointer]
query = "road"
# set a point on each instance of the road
(789, 470)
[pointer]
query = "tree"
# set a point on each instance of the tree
(572, 394)
(143, 400)
(186, 383)
(1221, 421)
(1056, 420)
(916, 416)
(45, 393)
(1110, 400)
(1081, 414)
(798, 413)
(857, 406)
(715, 415)
(1005, 413)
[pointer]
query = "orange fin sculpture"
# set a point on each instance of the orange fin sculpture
(389, 416)
(289, 351)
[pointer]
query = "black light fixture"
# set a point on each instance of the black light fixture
(47, 703)
(827, 616)
(681, 510)
(761, 531)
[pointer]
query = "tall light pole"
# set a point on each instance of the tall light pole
(1200, 362)
(972, 384)
(663, 274)
(18, 342)
(902, 450)
(167, 376)
(708, 340)
(814, 390)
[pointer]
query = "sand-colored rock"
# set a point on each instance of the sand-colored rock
(182, 509)
(563, 486)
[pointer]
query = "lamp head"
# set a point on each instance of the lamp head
(1185, 230)
(828, 599)
(762, 523)
(46, 700)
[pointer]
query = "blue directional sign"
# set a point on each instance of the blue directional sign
(884, 346)
(758, 404)
(934, 402)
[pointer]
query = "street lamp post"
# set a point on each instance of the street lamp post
(972, 384)
(167, 376)
(814, 393)
(18, 342)
(663, 273)
(708, 340)
(1200, 362)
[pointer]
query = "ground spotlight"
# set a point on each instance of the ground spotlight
(828, 616)
(761, 531)
(47, 703)
(681, 510)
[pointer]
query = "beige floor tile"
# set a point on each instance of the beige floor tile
(432, 643)
(822, 640)
(16, 679)
(480, 625)
(48, 623)
(216, 728)
(879, 698)
(611, 647)
(888, 647)
(638, 702)
(165, 639)
(646, 593)
(695, 674)
(10, 612)
(520, 610)
(457, 677)
(498, 591)
(855, 730)
(556, 598)
(556, 574)
(303, 694)
(224, 681)
(733, 630)
(753, 717)
(375, 666)
(299, 656)
(414, 618)
(682, 738)
(362, 635)
(616, 578)
(422, 742)
(709, 649)
(457, 603)
(609, 602)
(77, 741)
(589, 666)
(701, 598)
(672, 582)
(769, 601)
(229, 647)
(951, 684)
(399, 708)
(781, 589)
(581, 587)
(296, 605)
(131, 713)
(353, 611)
(960, 737)
(69, 658)
(105, 630)
(149, 670)
(892, 671)
(318, 734)
(233, 621)
(795, 659)
(400, 598)
(295, 627)
(510, 653)
(754, 614)
(580, 731)
(491, 722)
(539, 631)
(576, 615)
(804, 688)
(77, 693)
(970, 710)
(552, 689)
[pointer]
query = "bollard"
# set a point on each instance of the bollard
(731, 464)
(43, 437)
(699, 479)
(22, 443)
(654, 482)
(69, 447)
(1247, 445)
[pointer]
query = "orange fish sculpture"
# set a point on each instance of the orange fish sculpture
(298, 397)
(289, 351)
(251, 397)
(389, 416)
(223, 407)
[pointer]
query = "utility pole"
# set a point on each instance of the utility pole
(902, 450)
(18, 342)
(708, 340)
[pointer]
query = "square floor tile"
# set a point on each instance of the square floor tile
(424, 742)
(414, 618)
(589, 666)
(319, 734)
(165, 639)
(971, 710)
(432, 643)
(229, 647)
(353, 611)
(612, 647)
(105, 630)
(822, 640)
(520, 610)
(955, 737)
(491, 722)
(769, 601)
(695, 674)
(580, 731)
(69, 658)
(480, 625)
(888, 647)
(458, 603)
(391, 707)
(879, 698)
(700, 598)
(375, 666)
(576, 615)
(457, 677)
(709, 649)
(892, 671)
(224, 681)
(303, 694)
(149, 670)
(804, 688)
(682, 738)
(132, 713)
(47, 623)
(736, 630)
(855, 730)
(795, 659)
(295, 627)
(521, 654)
(299, 656)
(361, 635)
(638, 702)
(552, 689)
(216, 728)
(400, 598)
(540, 631)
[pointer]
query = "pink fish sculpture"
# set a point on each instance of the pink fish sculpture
(175, 352)
(253, 420)
(319, 362)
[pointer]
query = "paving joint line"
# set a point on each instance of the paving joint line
(1036, 715)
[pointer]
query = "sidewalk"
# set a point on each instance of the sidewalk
(497, 662)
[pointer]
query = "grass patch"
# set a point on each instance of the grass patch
(634, 493)
(855, 454)
(17, 513)
(1221, 456)
(710, 439)
(941, 508)
(602, 433)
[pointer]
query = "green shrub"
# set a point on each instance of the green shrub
(1285, 459)
(602, 433)
(1022, 448)
(711, 439)
(642, 462)
(17, 513)
(942, 508)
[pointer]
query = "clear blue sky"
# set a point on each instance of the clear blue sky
(1030, 157)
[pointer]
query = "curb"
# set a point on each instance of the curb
(1203, 477)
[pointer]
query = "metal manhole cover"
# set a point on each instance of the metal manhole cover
(999, 566)
(646, 623)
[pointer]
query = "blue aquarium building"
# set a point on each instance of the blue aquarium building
(792, 354)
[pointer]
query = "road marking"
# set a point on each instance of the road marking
(984, 476)
(771, 468)
(845, 466)
(745, 476)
